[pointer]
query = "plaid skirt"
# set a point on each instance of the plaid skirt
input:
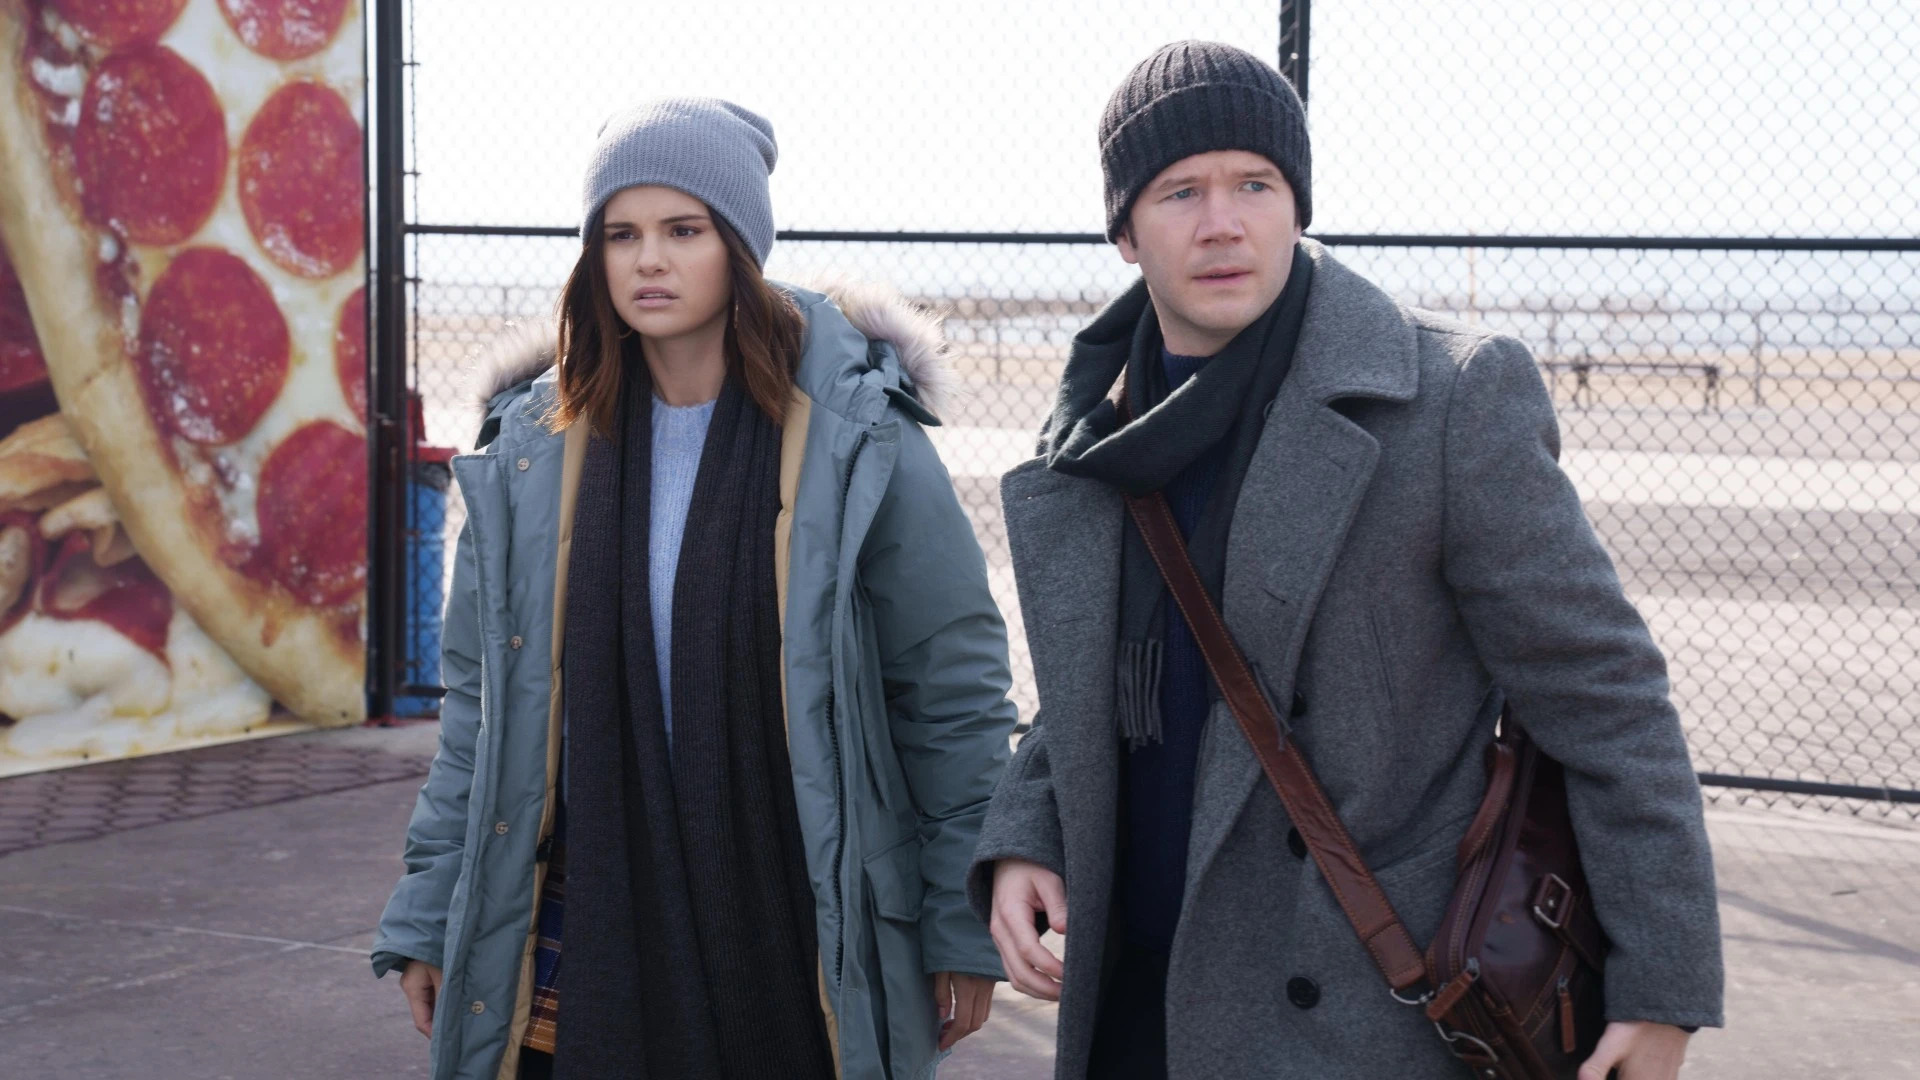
(546, 950)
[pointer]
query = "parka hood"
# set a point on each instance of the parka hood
(525, 351)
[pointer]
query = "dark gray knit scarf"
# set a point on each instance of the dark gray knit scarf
(1226, 399)
(689, 941)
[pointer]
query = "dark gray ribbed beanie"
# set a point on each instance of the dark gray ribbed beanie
(1192, 97)
(713, 150)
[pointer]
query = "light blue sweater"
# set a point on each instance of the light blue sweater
(679, 435)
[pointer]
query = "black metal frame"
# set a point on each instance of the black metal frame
(1295, 36)
(387, 374)
(389, 432)
(387, 622)
(1407, 240)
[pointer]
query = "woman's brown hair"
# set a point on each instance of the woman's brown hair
(596, 347)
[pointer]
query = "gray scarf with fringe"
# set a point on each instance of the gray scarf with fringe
(1226, 399)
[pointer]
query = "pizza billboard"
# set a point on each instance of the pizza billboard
(183, 456)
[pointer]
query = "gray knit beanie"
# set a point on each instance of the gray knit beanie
(713, 150)
(1192, 97)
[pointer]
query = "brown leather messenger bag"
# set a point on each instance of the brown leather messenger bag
(1512, 979)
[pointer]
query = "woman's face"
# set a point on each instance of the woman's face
(666, 263)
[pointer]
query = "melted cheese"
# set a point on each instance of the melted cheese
(81, 690)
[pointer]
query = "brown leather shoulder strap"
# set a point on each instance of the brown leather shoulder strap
(1360, 896)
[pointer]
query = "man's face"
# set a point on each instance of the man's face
(1213, 235)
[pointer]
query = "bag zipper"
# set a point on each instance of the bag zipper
(1569, 1041)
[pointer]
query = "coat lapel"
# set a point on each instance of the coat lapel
(1303, 488)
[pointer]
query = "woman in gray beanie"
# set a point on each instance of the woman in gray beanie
(756, 770)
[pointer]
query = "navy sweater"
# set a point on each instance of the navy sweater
(1157, 779)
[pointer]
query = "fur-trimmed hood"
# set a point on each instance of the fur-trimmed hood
(526, 350)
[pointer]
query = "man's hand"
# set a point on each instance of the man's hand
(1020, 891)
(962, 1002)
(421, 983)
(1639, 1049)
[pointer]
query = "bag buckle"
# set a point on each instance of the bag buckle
(1467, 1049)
(1551, 901)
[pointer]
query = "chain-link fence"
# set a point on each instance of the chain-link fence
(1699, 217)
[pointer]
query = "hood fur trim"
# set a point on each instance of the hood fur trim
(521, 351)
(524, 350)
(882, 314)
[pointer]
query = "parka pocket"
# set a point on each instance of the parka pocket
(901, 988)
(893, 876)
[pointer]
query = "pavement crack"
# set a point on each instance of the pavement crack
(262, 939)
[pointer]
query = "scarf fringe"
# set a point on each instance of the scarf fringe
(1137, 695)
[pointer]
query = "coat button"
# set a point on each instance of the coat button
(1304, 993)
(515, 641)
(478, 1007)
(1299, 705)
(1296, 844)
(523, 464)
(500, 828)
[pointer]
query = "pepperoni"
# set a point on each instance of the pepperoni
(303, 180)
(285, 29)
(115, 24)
(151, 147)
(214, 347)
(21, 364)
(350, 351)
(125, 596)
(313, 515)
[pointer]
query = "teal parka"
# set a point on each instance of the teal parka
(895, 663)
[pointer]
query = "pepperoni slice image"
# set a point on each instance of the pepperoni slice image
(350, 351)
(115, 24)
(313, 515)
(214, 347)
(21, 364)
(151, 148)
(303, 180)
(285, 29)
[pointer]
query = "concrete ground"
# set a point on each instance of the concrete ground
(232, 946)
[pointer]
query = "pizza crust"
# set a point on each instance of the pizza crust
(293, 651)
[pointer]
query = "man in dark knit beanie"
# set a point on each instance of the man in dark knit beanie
(1370, 496)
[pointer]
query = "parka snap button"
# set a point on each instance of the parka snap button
(1296, 844)
(479, 1007)
(523, 464)
(500, 828)
(515, 641)
(1304, 993)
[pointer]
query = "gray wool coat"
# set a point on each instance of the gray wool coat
(1405, 551)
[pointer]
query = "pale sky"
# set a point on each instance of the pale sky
(1659, 116)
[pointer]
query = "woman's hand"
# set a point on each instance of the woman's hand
(421, 983)
(962, 1002)
(1640, 1050)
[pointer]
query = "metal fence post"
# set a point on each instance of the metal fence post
(1293, 43)
(387, 382)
